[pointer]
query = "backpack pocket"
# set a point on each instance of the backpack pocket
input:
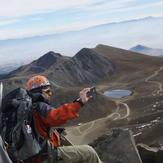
(31, 146)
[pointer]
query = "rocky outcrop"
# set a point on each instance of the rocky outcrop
(118, 147)
(93, 65)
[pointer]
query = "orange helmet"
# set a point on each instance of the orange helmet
(37, 81)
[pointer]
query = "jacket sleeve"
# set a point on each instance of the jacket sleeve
(59, 116)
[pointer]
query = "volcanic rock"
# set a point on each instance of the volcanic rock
(118, 147)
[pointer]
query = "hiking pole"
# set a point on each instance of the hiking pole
(1, 94)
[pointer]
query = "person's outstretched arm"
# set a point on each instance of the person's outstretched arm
(58, 116)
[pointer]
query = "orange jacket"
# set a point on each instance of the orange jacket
(47, 117)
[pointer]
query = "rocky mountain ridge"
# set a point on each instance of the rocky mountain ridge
(86, 67)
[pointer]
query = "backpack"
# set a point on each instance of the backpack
(16, 127)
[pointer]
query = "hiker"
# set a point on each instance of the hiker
(45, 117)
(4, 158)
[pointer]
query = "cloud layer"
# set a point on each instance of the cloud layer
(28, 18)
(15, 8)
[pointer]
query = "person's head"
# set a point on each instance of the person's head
(39, 84)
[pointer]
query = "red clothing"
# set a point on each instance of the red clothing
(55, 117)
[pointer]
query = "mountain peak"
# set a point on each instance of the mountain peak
(84, 50)
(140, 47)
(48, 59)
(103, 46)
(85, 53)
(147, 50)
(52, 54)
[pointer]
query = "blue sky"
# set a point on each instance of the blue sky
(26, 18)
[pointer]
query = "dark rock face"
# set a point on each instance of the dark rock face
(93, 65)
(44, 62)
(119, 147)
(47, 60)
(86, 67)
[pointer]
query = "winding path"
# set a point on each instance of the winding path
(127, 111)
(155, 82)
(113, 116)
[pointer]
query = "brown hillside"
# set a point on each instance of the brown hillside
(142, 111)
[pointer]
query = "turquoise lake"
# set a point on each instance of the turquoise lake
(119, 93)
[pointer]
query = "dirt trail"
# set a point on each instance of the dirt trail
(127, 111)
(79, 134)
(113, 116)
(155, 82)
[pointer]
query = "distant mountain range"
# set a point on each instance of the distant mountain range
(4, 69)
(42, 63)
(147, 50)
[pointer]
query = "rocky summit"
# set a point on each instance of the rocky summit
(117, 147)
